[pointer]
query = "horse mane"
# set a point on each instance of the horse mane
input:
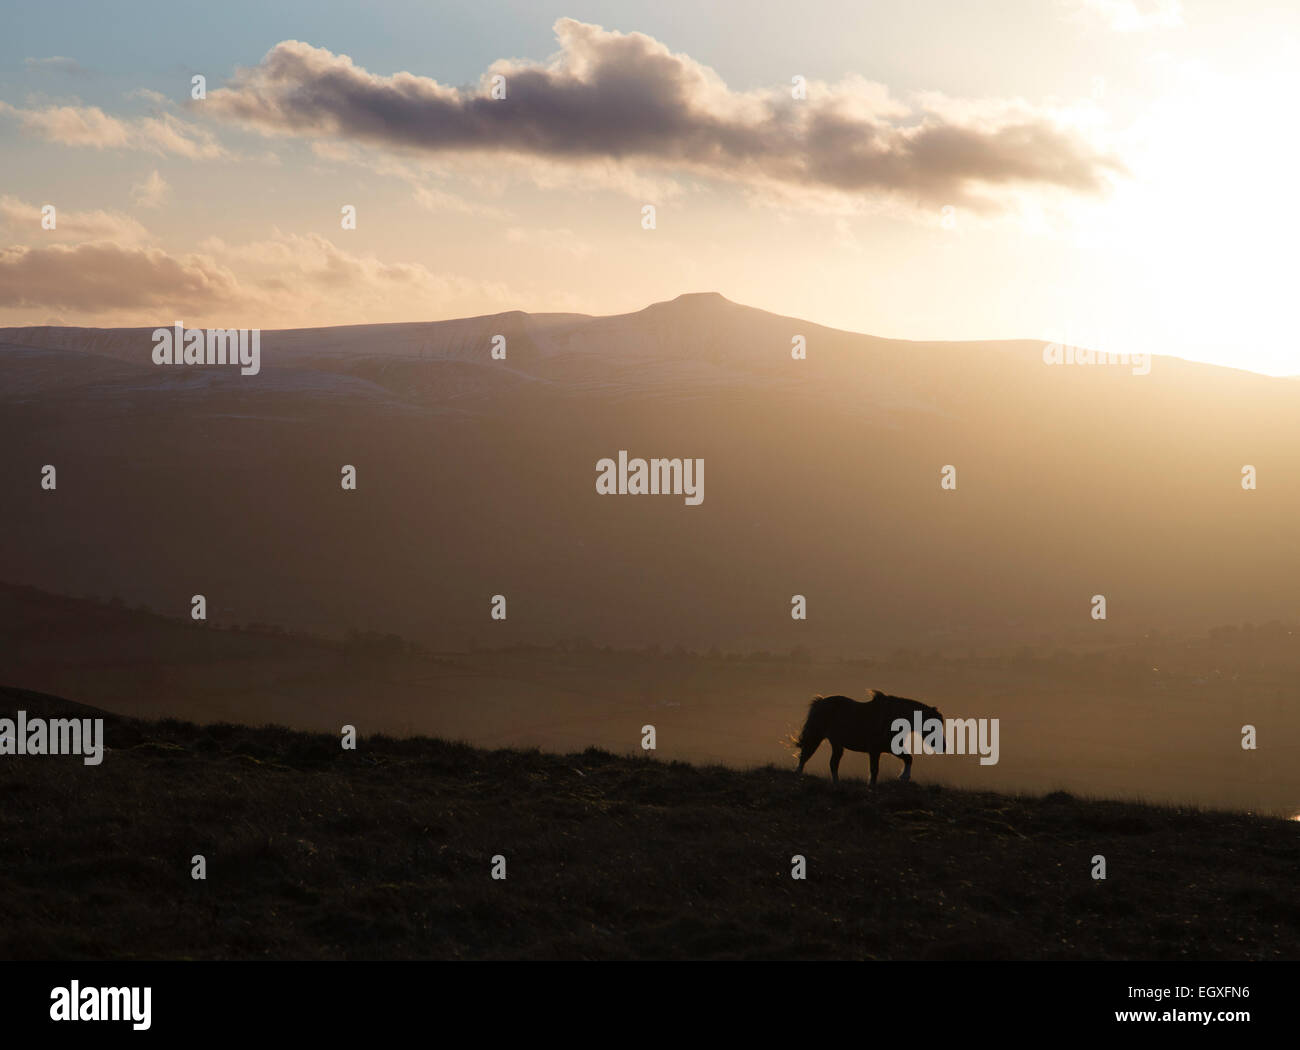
(876, 694)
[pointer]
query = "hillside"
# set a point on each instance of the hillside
(477, 477)
(385, 852)
(1179, 698)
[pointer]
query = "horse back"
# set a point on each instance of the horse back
(860, 725)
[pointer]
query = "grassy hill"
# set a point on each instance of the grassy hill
(314, 852)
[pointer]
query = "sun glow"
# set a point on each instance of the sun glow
(1195, 249)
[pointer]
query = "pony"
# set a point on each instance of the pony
(861, 726)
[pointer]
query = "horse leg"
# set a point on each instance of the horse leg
(837, 752)
(875, 767)
(907, 767)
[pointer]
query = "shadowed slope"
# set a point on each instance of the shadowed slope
(385, 852)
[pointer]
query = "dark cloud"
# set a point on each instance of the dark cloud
(627, 97)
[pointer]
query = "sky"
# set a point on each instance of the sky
(1109, 173)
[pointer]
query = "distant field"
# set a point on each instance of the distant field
(1155, 720)
(385, 853)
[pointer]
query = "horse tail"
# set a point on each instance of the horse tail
(813, 731)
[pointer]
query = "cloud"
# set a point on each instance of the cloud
(156, 98)
(419, 175)
(22, 219)
(58, 64)
(151, 192)
(90, 126)
(99, 276)
(309, 280)
(286, 280)
(1125, 16)
(625, 99)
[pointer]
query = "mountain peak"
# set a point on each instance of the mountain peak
(692, 302)
(702, 297)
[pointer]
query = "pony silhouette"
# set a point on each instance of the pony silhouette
(858, 726)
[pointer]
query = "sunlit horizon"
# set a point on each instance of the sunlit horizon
(1107, 175)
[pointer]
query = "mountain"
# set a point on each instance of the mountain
(477, 477)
